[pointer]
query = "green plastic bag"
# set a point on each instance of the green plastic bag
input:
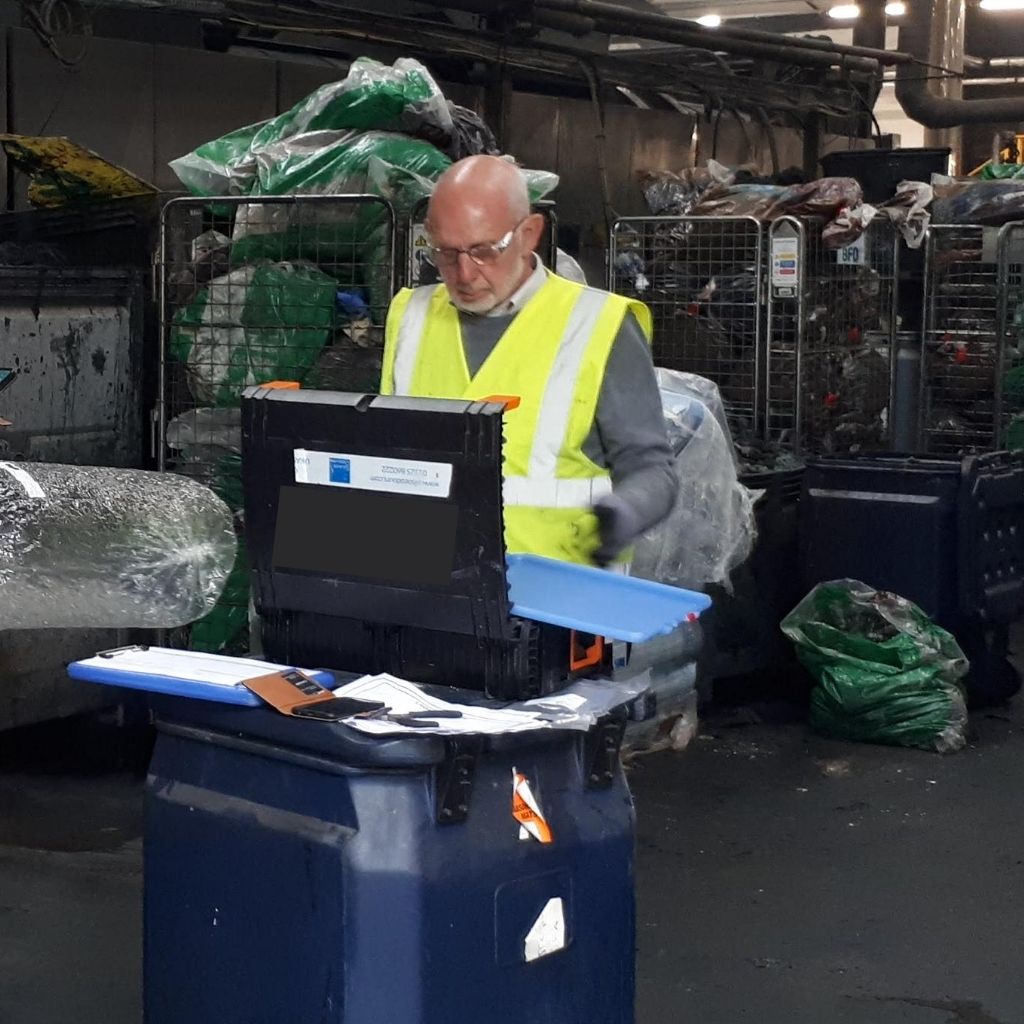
(253, 325)
(885, 672)
(400, 98)
(1002, 172)
(372, 97)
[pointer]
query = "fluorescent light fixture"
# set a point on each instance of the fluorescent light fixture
(1002, 5)
(846, 12)
(714, 20)
(896, 9)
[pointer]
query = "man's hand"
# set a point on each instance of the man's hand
(618, 526)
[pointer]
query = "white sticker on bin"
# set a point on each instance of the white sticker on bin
(28, 482)
(372, 473)
(547, 935)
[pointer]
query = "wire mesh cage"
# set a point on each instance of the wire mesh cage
(702, 279)
(416, 266)
(831, 338)
(972, 391)
(253, 291)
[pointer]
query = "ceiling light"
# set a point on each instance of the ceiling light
(846, 12)
(1002, 5)
(714, 20)
(896, 9)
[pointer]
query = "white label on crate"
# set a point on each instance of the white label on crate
(370, 473)
(854, 255)
(547, 935)
(785, 262)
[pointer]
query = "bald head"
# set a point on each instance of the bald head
(485, 183)
(481, 203)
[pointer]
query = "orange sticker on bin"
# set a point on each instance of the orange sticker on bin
(283, 385)
(527, 812)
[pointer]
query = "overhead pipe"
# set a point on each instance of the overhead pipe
(739, 41)
(920, 103)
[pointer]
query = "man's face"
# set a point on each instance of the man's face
(479, 286)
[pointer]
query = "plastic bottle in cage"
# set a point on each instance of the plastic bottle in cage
(91, 547)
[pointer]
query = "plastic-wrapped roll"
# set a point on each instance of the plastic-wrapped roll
(90, 547)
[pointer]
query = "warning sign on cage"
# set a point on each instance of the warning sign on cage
(855, 254)
(785, 265)
(421, 270)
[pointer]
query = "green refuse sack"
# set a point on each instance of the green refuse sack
(1002, 172)
(256, 324)
(373, 96)
(885, 673)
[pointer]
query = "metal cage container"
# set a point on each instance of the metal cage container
(972, 380)
(253, 291)
(830, 372)
(702, 279)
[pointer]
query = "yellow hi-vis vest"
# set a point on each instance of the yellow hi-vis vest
(552, 357)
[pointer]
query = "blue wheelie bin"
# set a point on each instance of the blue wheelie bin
(299, 871)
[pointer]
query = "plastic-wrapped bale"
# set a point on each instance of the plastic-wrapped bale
(711, 529)
(254, 325)
(84, 547)
(373, 96)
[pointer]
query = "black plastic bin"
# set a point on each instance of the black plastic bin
(879, 171)
(947, 533)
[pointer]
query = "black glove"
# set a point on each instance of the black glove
(618, 526)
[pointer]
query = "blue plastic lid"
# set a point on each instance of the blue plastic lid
(597, 601)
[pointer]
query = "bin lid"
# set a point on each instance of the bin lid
(596, 601)
(211, 677)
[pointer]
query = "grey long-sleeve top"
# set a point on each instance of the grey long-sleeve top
(628, 437)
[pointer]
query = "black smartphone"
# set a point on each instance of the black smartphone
(7, 375)
(337, 709)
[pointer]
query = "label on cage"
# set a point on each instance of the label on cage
(854, 255)
(785, 262)
(421, 270)
(370, 473)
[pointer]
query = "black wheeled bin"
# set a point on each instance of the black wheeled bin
(947, 533)
(299, 871)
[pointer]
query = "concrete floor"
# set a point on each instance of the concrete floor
(782, 878)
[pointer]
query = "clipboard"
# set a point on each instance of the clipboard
(212, 677)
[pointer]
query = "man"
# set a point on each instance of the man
(588, 466)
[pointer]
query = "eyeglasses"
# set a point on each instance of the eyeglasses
(483, 254)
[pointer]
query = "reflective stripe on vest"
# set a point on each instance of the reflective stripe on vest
(555, 493)
(410, 337)
(556, 406)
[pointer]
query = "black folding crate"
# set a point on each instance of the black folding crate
(376, 541)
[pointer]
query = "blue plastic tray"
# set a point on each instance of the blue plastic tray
(105, 670)
(596, 601)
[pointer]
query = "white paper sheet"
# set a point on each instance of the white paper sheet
(402, 697)
(577, 707)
